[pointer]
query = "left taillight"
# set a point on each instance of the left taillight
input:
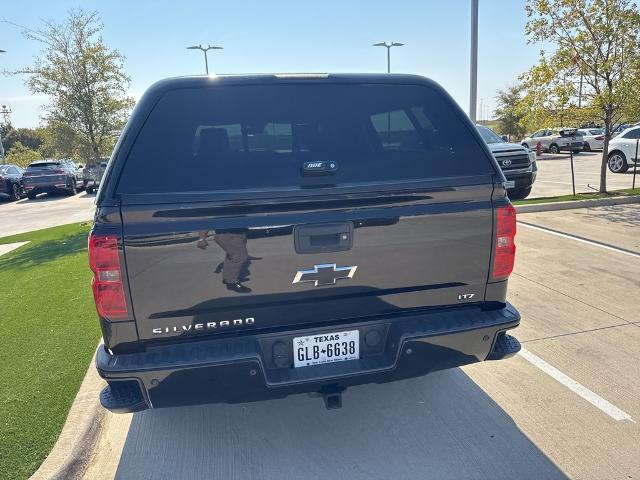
(505, 247)
(108, 289)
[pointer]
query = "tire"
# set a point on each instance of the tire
(519, 193)
(16, 193)
(555, 149)
(89, 190)
(73, 190)
(586, 147)
(575, 152)
(617, 162)
(31, 195)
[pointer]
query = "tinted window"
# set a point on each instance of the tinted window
(40, 166)
(243, 137)
(633, 134)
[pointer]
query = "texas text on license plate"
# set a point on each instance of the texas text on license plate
(510, 184)
(326, 348)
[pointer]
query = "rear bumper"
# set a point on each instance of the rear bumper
(244, 369)
(46, 187)
(573, 146)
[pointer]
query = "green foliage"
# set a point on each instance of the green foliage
(21, 155)
(508, 112)
(30, 138)
(85, 81)
(593, 70)
(44, 352)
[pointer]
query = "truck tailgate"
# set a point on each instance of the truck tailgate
(402, 251)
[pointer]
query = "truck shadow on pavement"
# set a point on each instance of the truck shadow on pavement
(442, 426)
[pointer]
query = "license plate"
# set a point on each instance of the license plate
(510, 184)
(326, 348)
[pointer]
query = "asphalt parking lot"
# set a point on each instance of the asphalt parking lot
(44, 211)
(566, 407)
(554, 175)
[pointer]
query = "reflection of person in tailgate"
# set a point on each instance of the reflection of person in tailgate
(234, 244)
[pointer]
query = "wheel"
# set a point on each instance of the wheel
(554, 148)
(16, 192)
(577, 152)
(519, 193)
(73, 189)
(89, 190)
(525, 145)
(586, 147)
(617, 162)
(31, 195)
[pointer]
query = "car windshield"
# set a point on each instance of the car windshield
(489, 135)
(596, 131)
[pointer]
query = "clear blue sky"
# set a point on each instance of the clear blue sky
(285, 36)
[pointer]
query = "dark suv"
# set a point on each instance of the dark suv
(11, 182)
(51, 176)
(315, 232)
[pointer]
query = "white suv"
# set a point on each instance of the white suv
(622, 150)
(554, 140)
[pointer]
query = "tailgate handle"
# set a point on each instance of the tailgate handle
(323, 237)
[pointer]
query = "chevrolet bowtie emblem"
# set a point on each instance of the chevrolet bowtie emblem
(325, 274)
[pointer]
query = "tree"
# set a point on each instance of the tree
(508, 111)
(596, 60)
(21, 155)
(83, 78)
(30, 138)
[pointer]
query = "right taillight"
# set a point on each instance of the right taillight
(108, 289)
(600, 137)
(505, 248)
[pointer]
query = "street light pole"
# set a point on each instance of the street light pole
(388, 47)
(473, 87)
(205, 50)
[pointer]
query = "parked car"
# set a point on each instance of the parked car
(78, 170)
(359, 224)
(593, 138)
(50, 176)
(622, 151)
(11, 182)
(517, 162)
(555, 140)
(618, 129)
(93, 175)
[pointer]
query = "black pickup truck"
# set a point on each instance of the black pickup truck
(262, 236)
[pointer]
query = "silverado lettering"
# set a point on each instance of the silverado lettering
(204, 326)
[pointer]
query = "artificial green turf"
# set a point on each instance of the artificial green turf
(580, 196)
(48, 334)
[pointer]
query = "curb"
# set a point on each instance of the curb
(70, 455)
(570, 205)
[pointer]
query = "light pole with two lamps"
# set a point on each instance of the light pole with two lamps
(388, 47)
(205, 50)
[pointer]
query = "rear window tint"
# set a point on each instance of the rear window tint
(257, 137)
(43, 165)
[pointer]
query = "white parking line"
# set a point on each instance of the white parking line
(593, 398)
(593, 243)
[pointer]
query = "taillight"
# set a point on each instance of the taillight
(57, 172)
(108, 290)
(505, 248)
(600, 137)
